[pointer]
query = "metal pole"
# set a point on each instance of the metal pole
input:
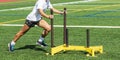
(88, 39)
(64, 26)
(52, 30)
(67, 33)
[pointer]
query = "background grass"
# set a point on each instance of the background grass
(99, 13)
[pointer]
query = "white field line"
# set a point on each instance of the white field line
(58, 4)
(70, 26)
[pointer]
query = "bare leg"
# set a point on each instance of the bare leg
(24, 29)
(45, 26)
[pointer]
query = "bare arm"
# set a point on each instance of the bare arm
(57, 11)
(43, 14)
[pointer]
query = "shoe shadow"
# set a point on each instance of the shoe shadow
(33, 47)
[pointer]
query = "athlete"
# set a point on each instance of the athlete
(35, 18)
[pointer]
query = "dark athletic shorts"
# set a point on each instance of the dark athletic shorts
(31, 23)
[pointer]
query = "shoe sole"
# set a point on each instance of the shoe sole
(39, 44)
(9, 48)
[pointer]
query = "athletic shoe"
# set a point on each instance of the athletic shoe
(42, 44)
(10, 47)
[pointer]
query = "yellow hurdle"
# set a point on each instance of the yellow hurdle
(65, 47)
(91, 50)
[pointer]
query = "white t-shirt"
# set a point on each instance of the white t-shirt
(40, 4)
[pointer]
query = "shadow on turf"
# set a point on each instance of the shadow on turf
(33, 47)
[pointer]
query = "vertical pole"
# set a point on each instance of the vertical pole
(64, 27)
(88, 39)
(52, 30)
(67, 43)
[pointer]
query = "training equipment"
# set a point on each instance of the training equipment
(91, 50)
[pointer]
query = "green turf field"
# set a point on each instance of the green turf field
(96, 13)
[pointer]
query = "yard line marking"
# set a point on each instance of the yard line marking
(70, 26)
(15, 20)
(58, 4)
(95, 8)
(71, 12)
(31, 7)
(11, 21)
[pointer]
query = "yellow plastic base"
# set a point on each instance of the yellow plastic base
(91, 50)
